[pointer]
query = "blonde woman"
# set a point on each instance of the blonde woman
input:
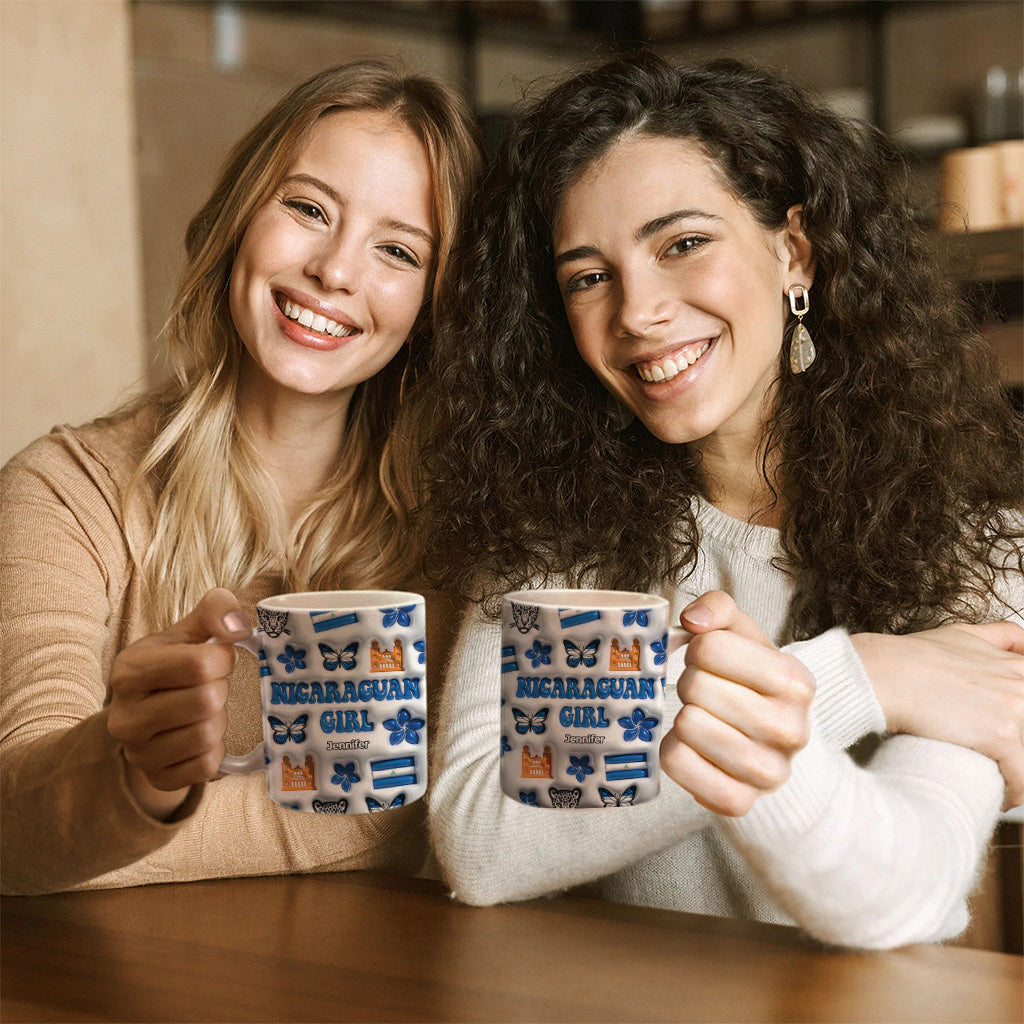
(273, 459)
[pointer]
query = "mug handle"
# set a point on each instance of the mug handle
(242, 764)
(677, 637)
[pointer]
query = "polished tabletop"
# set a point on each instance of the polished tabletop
(369, 947)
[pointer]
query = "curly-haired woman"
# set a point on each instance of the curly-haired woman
(273, 460)
(699, 348)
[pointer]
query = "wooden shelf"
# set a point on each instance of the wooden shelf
(987, 257)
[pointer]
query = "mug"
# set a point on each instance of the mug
(971, 190)
(343, 689)
(582, 702)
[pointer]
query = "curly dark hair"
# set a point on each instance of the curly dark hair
(898, 456)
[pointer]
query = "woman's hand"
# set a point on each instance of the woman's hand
(746, 710)
(167, 704)
(960, 683)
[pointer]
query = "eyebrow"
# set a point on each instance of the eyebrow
(335, 197)
(652, 227)
(642, 234)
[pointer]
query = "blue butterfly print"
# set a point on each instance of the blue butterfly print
(640, 617)
(285, 731)
(638, 726)
(525, 724)
(373, 804)
(612, 799)
(530, 799)
(292, 658)
(421, 649)
(506, 747)
(580, 767)
(335, 659)
(586, 656)
(399, 615)
(660, 648)
(404, 728)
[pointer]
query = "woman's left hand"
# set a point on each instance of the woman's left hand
(746, 710)
(960, 683)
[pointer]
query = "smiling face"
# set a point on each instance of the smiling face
(673, 290)
(332, 270)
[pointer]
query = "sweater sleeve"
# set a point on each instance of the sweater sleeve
(493, 849)
(67, 811)
(875, 856)
(69, 819)
(879, 856)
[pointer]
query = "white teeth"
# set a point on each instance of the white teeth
(667, 368)
(314, 321)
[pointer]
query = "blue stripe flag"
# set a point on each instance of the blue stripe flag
(323, 621)
(393, 771)
(570, 617)
(625, 766)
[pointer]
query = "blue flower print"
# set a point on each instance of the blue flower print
(660, 648)
(640, 617)
(506, 747)
(293, 658)
(399, 615)
(539, 654)
(421, 651)
(638, 726)
(530, 799)
(404, 728)
(345, 775)
(580, 767)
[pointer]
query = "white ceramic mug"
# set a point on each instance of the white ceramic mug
(343, 689)
(582, 702)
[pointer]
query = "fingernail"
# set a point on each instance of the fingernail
(236, 622)
(699, 615)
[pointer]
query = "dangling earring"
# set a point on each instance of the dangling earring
(801, 350)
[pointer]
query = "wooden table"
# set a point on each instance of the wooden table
(365, 947)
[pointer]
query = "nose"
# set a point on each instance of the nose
(644, 304)
(337, 264)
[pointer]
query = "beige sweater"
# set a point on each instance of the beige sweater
(70, 600)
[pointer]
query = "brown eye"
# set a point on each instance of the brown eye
(309, 210)
(586, 281)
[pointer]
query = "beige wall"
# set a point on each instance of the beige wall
(71, 342)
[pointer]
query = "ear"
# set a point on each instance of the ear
(798, 246)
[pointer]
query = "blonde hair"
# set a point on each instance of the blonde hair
(218, 516)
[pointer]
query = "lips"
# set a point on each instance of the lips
(666, 367)
(313, 321)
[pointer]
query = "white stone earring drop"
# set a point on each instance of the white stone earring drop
(801, 350)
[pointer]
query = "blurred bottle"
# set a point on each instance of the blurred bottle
(1000, 107)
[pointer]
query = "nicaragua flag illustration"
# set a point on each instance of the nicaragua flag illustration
(570, 617)
(508, 659)
(323, 621)
(393, 771)
(625, 766)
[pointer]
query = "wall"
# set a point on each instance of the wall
(71, 345)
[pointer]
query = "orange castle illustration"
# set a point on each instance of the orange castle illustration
(386, 661)
(624, 661)
(537, 766)
(297, 776)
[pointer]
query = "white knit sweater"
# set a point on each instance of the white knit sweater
(873, 857)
